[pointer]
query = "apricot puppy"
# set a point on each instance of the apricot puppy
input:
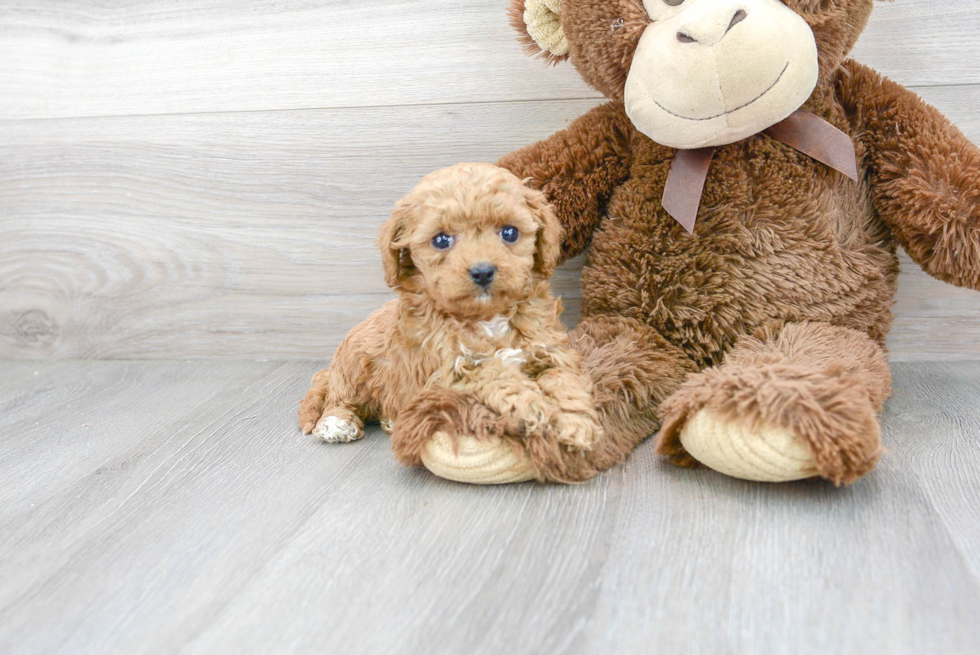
(472, 347)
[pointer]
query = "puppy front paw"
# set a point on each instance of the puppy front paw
(333, 429)
(312, 405)
(310, 410)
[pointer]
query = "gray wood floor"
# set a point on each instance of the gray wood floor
(168, 507)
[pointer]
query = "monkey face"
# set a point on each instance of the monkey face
(712, 72)
(697, 73)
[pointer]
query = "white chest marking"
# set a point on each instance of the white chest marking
(496, 327)
(513, 356)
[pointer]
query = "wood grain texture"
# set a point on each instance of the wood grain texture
(98, 420)
(173, 507)
(937, 435)
(66, 58)
(252, 234)
(92, 59)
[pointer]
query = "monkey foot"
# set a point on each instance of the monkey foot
(760, 453)
(475, 461)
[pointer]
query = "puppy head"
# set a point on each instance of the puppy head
(473, 238)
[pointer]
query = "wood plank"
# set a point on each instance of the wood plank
(936, 425)
(705, 564)
(446, 568)
(152, 539)
(205, 504)
(95, 408)
(252, 235)
(913, 41)
(933, 321)
(220, 529)
(62, 59)
(179, 56)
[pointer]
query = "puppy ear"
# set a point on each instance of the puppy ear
(395, 256)
(548, 252)
(539, 24)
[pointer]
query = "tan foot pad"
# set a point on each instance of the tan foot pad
(763, 454)
(475, 462)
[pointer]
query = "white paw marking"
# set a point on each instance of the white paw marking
(388, 425)
(337, 430)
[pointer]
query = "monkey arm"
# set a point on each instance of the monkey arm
(924, 174)
(578, 169)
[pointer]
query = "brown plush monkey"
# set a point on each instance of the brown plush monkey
(753, 343)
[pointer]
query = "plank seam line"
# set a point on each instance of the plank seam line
(464, 103)
(383, 106)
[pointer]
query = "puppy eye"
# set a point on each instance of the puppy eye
(442, 241)
(510, 234)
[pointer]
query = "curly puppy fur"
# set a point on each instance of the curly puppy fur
(451, 355)
(783, 244)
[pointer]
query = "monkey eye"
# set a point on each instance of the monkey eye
(442, 241)
(510, 234)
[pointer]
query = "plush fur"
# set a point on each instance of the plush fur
(782, 296)
(822, 383)
(448, 355)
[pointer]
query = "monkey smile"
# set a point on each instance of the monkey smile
(730, 111)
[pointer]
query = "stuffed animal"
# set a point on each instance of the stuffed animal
(741, 197)
(473, 341)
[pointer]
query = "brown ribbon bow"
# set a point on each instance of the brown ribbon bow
(806, 132)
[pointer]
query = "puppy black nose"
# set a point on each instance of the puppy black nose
(483, 274)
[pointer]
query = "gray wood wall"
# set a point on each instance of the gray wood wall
(185, 179)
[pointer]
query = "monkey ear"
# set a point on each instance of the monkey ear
(548, 249)
(539, 24)
(395, 256)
